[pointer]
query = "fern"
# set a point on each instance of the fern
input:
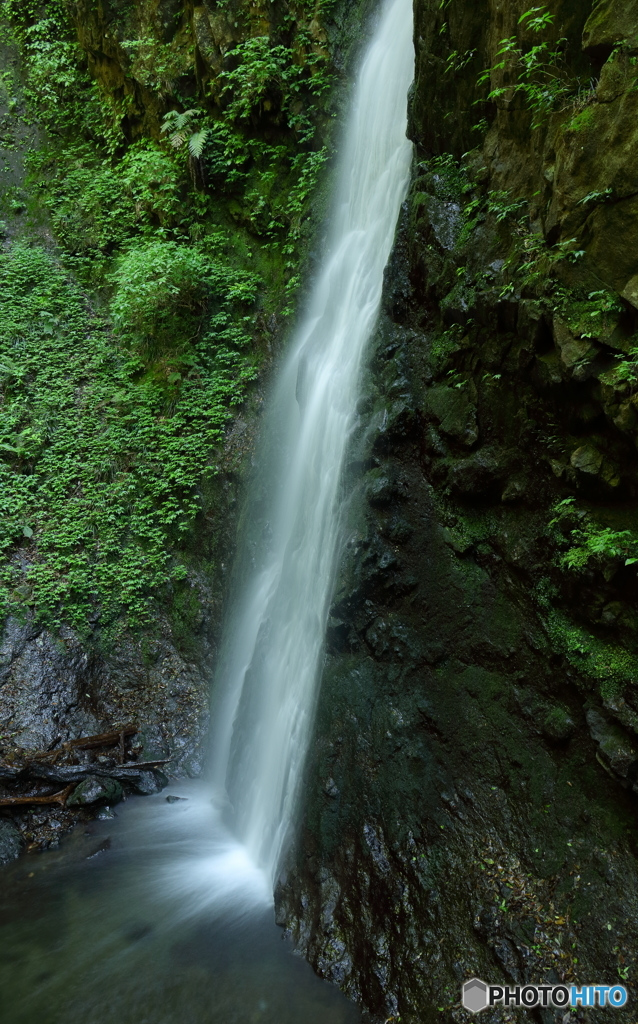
(182, 128)
(197, 142)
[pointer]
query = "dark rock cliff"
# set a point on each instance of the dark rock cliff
(471, 795)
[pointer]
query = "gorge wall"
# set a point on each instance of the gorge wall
(470, 800)
(471, 796)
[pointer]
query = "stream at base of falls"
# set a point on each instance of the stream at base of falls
(153, 917)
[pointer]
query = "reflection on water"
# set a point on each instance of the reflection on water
(158, 917)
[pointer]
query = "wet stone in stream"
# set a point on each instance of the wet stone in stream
(10, 842)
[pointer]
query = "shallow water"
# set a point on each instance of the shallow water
(154, 917)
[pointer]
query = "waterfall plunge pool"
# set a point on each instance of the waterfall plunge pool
(156, 916)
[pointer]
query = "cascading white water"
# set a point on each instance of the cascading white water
(266, 688)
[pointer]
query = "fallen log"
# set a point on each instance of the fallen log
(52, 798)
(141, 775)
(103, 739)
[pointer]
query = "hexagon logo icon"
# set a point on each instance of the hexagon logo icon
(474, 996)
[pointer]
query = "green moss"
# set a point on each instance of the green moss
(581, 121)
(442, 346)
(558, 724)
(609, 665)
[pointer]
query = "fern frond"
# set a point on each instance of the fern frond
(175, 120)
(169, 121)
(197, 142)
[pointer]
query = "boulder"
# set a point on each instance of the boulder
(630, 291)
(611, 22)
(574, 351)
(587, 459)
(476, 474)
(558, 725)
(95, 790)
(615, 747)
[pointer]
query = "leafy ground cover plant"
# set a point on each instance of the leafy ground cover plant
(124, 349)
(101, 456)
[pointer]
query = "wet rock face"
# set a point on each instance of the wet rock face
(471, 801)
(56, 688)
(53, 689)
(43, 683)
(459, 820)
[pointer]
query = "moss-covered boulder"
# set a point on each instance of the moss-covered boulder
(94, 790)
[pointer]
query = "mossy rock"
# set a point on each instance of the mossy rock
(558, 725)
(611, 22)
(455, 411)
(96, 791)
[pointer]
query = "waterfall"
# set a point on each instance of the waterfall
(266, 689)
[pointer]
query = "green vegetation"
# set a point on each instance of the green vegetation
(450, 178)
(443, 344)
(265, 70)
(501, 205)
(623, 376)
(270, 183)
(590, 544)
(163, 290)
(581, 120)
(457, 62)
(534, 73)
(125, 347)
(612, 667)
(593, 315)
(102, 454)
(531, 262)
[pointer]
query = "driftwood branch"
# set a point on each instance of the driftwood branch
(70, 772)
(140, 775)
(52, 798)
